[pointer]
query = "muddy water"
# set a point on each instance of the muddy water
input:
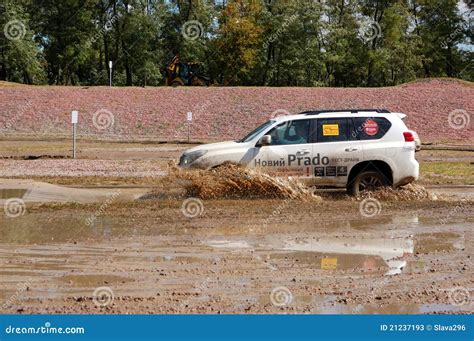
(345, 264)
(34, 229)
(9, 193)
(462, 192)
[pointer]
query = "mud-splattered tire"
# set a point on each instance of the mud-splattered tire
(366, 181)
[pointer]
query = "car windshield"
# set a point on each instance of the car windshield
(256, 131)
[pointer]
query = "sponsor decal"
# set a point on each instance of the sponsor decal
(371, 127)
(331, 171)
(318, 171)
(341, 170)
(330, 129)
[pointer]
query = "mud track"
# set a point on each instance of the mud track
(239, 256)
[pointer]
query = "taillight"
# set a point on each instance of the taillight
(408, 136)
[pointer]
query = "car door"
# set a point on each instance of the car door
(336, 150)
(290, 152)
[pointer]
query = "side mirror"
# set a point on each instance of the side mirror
(265, 140)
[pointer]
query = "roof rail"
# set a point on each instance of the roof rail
(352, 111)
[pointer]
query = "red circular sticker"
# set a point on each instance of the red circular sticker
(371, 127)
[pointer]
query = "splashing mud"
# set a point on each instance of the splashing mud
(234, 181)
(404, 193)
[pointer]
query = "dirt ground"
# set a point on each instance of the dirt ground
(123, 250)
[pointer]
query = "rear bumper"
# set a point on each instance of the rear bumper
(409, 172)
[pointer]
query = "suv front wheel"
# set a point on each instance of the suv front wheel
(366, 181)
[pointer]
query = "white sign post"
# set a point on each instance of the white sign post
(110, 70)
(190, 119)
(74, 118)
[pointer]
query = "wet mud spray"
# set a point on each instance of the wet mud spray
(231, 181)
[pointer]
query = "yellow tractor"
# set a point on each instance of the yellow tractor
(179, 74)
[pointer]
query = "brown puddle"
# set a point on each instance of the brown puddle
(439, 242)
(32, 229)
(333, 261)
(371, 254)
(93, 280)
(10, 193)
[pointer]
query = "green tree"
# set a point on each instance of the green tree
(66, 26)
(441, 29)
(392, 52)
(20, 56)
(239, 40)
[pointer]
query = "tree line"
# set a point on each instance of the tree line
(237, 42)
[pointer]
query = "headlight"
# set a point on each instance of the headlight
(188, 158)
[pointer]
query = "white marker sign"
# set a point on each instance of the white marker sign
(190, 116)
(74, 116)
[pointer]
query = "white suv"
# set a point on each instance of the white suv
(358, 149)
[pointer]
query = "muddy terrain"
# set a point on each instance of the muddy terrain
(113, 232)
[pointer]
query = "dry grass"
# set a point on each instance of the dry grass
(456, 173)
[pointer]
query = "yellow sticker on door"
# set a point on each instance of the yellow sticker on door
(330, 129)
(329, 263)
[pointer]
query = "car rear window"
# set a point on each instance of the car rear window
(371, 128)
(335, 129)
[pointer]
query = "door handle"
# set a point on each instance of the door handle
(302, 152)
(351, 149)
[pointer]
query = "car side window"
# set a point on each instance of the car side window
(290, 132)
(335, 129)
(371, 128)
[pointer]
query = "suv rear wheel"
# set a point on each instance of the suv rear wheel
(366, 181)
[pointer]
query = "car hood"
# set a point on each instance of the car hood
(215, 146)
